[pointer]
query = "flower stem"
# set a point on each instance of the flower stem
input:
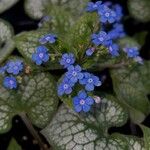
(34, 133)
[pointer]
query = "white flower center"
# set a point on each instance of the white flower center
(82, 102)
(65, 86)
(90, 80)
(41, 55)
(11, 82)
(68, 60)
(74, 73)
(107, 14)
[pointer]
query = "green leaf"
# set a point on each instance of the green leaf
(36, 96)
(146, 132)
(80, 33)
(13, 145)
(140, 10)
(6, 4)
(6, 42)
(141, 37)
(70, 130)
(35, 8)
(131, 89)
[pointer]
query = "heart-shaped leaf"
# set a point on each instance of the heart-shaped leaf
(131, 88)
(6, 42)
(13, 145)
(6, 4)
(69, 130)
(146, 132)
(140, 9)
(36, 96)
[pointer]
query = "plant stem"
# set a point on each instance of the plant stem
(32, 130)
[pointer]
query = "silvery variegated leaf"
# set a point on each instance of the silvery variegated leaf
(6, 42)
(132, 88)
(6, 4)
(36, 96)
(140, 10)
(69, 130)
(35, 8)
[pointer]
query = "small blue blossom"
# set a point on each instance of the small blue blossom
(117, 31)
(74, 73)
(14, 67)
(41, 55)
(107, 15)
(49, 38)
(3, 70)
(114, 50)
(90, 81)
(82, 102)
(132, 52)
(90, 51)
(65, 87)
(67, 60)
(10, 82)
(93, 6)
(118, 10)
(100, 38)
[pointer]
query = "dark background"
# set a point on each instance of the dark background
(21, 22)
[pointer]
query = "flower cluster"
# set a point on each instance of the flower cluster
(75, 75)
(41, 54)
(110, 16)
(11, 69)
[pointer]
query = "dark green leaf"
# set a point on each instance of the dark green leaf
(13, 145)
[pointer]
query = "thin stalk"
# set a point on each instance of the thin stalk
(32, 130)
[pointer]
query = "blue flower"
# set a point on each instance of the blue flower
(67, 60)
(10, 82)
(100, 38)
(107, 15)
(93, 6)
(118, 10)
(82, 102)
(41, 55)
(65, 87)
(14, 67)
(3, 70)
(90, 51)
(51, 38)
(117, 31)
(74, 73)
(132, 52)
(90, 81)
(114, 50)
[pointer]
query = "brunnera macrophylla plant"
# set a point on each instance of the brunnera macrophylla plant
(77, 39)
